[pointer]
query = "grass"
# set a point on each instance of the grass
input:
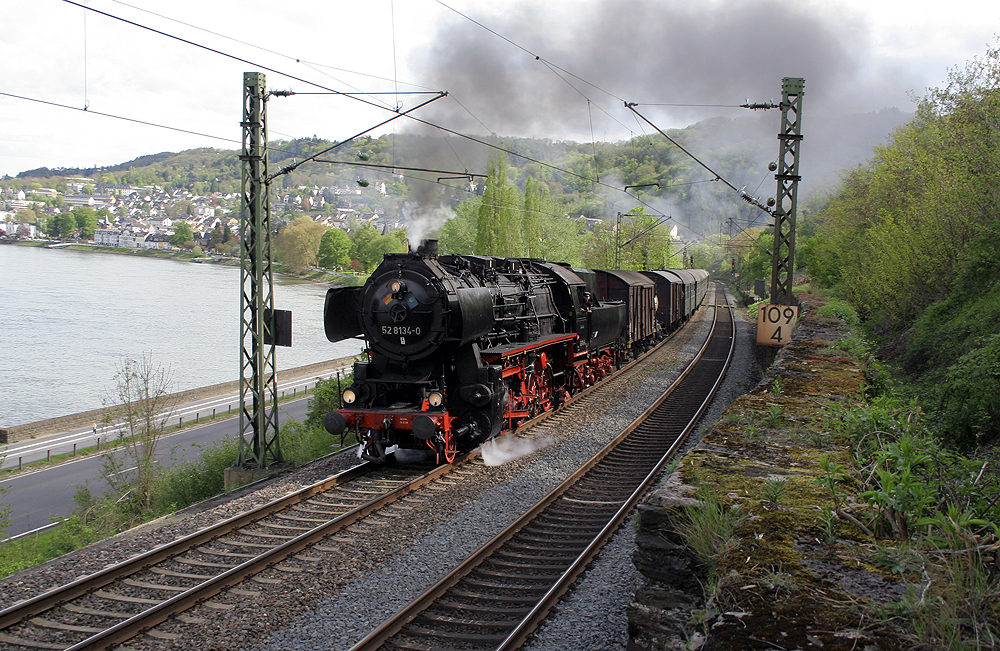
(181, 484)
(708, 529)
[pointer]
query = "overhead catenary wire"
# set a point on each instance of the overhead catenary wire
(743, 195)
(331, 90)
(225, 54)
(119, 117)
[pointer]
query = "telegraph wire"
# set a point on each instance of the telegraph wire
(332, 91)
(743, 195)
(293, 166)
(537, 57)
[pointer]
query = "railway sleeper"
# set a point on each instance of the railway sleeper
(487, 597)
(556, 526)
(518, 548)
(554, 541)
(82, 610)
(496, 581)
(558, 534)
(520, 565)
(464, 634)
(513, 611)
(155, 586)
(31, 644)
(43, 622)
(179, 575)
(440, 619)
(274, 536)
(551, 555)
(211, 551)
(114, 596)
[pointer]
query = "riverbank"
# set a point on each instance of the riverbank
(62, 424)
(313, 274)
(74, 316)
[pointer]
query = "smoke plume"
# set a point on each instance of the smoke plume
(504, 449)
(423, 222)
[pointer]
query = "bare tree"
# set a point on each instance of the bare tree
(141, 405)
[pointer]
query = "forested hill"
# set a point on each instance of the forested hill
(910, 240)
(738, 149)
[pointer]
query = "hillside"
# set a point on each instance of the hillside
(738, 149)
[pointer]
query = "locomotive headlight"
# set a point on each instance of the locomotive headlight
(435, 399)
(396, 286)
(350, 397)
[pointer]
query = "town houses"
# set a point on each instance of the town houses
(144, 217)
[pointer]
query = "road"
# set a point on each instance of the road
(37, 497)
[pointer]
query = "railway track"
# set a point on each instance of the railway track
(497, 597)
(114, 605)
(122, 601)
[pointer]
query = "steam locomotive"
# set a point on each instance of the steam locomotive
(463, 347)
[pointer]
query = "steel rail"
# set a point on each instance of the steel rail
(29, 608)
(199, 593)
(520, 633)
(516, 637)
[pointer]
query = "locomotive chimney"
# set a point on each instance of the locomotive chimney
(428, 248)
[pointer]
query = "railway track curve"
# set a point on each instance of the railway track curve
(498, 596)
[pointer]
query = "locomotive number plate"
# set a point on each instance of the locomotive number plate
(775, 324)
(401, 330)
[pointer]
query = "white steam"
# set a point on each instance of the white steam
(503, 449)
(424, 223)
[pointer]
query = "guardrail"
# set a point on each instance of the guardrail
(113, 433)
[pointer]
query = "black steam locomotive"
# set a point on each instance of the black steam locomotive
(463, 347)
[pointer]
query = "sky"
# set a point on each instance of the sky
(80, 87)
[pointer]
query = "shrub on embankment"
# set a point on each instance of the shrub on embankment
(827, 515)
(910, 240)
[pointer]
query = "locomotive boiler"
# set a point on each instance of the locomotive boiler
(462, 347)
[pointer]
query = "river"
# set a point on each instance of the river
(70, 318)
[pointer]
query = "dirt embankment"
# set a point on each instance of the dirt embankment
(792, 576)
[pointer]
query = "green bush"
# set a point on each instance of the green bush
(838, 309)
(968, 396)
(189, 482)
(326, 398)
(301, 444)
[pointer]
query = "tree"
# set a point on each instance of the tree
(335, 249)
(498, 229)
(326, 398)
(220, 235)
(140, 406)
(531, 220)
(64, 225)
(297, 245)
(458, 235)
(183, 235)
(86, 221)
